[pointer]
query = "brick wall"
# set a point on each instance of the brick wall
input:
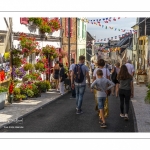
(73, 41)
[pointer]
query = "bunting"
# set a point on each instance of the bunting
(97, 22)
(115, 37)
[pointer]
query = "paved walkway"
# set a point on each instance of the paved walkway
(141, 109)
(16, 110)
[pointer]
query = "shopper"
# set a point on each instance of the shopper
(101, 86)
(78, 81)
(56, 74)
(114, 74)
(61, 78)
(131, 70)
(125, 90)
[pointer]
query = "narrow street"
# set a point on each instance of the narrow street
(60, 116)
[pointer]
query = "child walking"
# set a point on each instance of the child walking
(101, 85)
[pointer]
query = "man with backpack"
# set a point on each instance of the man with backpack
(78, 81)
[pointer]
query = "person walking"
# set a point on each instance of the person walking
(92, 66)
(131, 70)
(101, 86)
(61, 78)
(106, 74)
(114, 74)
(125, 90)
(78, 81)
(56, 75)
(70, 70)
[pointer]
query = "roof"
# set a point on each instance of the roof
(142, 20)
(90, 36)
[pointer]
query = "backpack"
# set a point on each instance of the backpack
(114, 75)
(78, 73)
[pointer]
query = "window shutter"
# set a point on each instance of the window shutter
(78, 28)
(82, 29)
(66, 27)
(71, 27)
(23, 20)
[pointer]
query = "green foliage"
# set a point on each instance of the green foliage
(30, 93)
(147, 98)
(17, 62)
(28, 66)
(39, 66)
(17, 91)
(3, 89)
(36, 21)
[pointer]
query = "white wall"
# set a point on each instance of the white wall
(3, 24)
(17, 27)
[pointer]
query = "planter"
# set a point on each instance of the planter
(2, 99)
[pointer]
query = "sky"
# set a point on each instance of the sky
(100, 32)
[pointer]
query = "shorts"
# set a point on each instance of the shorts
(101, 102)
(56, 76)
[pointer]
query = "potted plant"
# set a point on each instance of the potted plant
(3, 93)
(17, 61)
(43, 86)
(28, 43)
(39, 66)
(36, 21)
(7, 56)
(28, 66)
(19, 97)
(54, 24)
(47, 85)
(30, 93)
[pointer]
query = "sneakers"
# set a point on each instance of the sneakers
(103, 125)
(126, 117)
(122, 115)
(79, 112)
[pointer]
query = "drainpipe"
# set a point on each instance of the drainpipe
(68, 42)
(76, 37)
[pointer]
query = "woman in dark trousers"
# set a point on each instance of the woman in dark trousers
(125, 90)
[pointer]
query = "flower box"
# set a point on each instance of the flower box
(2, 99)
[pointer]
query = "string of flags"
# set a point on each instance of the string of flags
(115, 37)
(96, 22)
(105, 20)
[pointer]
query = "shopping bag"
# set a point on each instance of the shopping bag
(106, 110)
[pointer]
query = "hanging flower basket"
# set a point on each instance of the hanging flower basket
(28, 44)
